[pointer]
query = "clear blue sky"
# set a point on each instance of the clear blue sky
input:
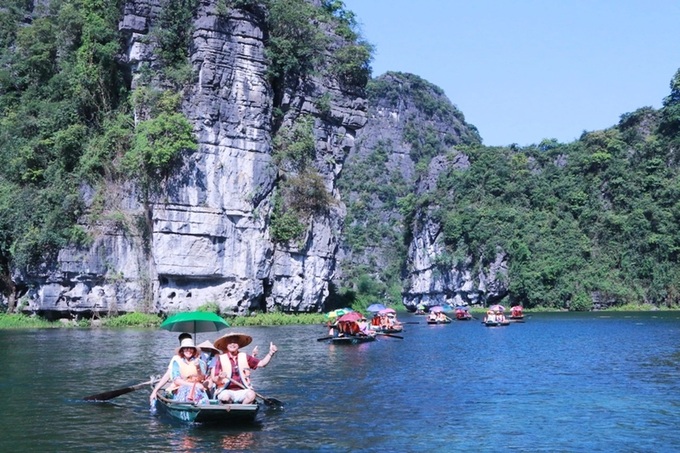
(525, 70)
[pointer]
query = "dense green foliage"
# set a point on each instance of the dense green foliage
(276, 319)
(132, 320)
(20, 321)
(66, 119)
(298, 46)
(60, 78)
(593, 220)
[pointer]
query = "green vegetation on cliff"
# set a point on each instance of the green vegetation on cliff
(69, 118)
(595, 219)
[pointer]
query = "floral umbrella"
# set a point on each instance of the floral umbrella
(497, 308)
(387, 311)
(338, 312)
(436, 309)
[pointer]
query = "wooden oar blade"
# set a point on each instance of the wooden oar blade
(105, 396)
(324, 338)
(109, 395)
(272, 402)
(391, 335)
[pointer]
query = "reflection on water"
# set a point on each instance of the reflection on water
(565, 382)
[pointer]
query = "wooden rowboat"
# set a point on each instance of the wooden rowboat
(212, 413)
(439, 321)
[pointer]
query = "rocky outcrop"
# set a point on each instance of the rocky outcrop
(431, 279)
(410, 123)
(205, 236)
(208, 230)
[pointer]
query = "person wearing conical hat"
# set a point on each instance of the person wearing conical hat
(232, 370)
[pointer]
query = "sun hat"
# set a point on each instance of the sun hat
(188, 343)
(240, 338)
(208, 346)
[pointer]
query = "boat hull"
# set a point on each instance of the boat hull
(393, 330)
(213, 413)
(495, 324)
(352, 339)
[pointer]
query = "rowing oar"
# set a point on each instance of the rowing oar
(122, 391)
(411, 322)
(390, 335)
(272, 402)
(324, 338)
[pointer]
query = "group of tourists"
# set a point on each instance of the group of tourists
(386, 321)
(438, 316)
(219, 371)
(494, 316)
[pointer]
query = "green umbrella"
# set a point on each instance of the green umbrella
(194, 321)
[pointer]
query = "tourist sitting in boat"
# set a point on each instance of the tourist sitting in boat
(490, 316)
(441, 317)
(166, 377)
(364, 328)
(232, 371)
(209, 355)
(187, 374)
(517, 312)
(332, 328)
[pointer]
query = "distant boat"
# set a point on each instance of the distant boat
(516, 313)
(462, 314)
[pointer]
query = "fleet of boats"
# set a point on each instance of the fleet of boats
(346, 327)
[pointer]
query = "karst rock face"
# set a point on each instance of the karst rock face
(208, 226)
(431, 282)
(205, 235)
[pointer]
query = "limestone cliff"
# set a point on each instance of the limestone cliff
(206, 235)
(208, 232)
(411, 127)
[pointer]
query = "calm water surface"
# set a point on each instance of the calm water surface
(558, 382)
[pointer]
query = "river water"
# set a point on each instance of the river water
(558, 382)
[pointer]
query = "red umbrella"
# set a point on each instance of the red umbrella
(350, 317)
